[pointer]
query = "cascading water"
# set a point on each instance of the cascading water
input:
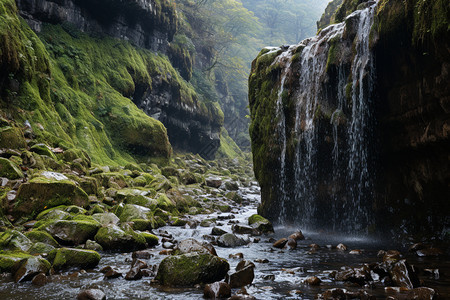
(348, 90)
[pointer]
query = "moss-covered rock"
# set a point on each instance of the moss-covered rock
(40, 248)
(132, 211)
(190, 269)
(260, 223)
(27, 268)
(14, 240)
(135, 196)
(150, 239)
(106, 218)
(9, 170)
(71, 231)
(111, 180)
(41, 193)
(12, 137)
(38, 236)
(112, 237)
(54, 213)
(142, 224)
(9, 258)
(43, 149)
(160, 183)
(68, 257)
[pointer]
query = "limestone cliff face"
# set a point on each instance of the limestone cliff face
(350, 129)
(192, 124)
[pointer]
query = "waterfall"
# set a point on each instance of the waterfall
(349, 175)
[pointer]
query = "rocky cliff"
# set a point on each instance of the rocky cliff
(89, 66)
(350, 128)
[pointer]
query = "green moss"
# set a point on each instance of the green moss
(9, 170)
(9, 258)
(43, 149)
(67, 257)
(38, 236)
(142, 224)
(228, 148)
(150, 239)
(14, 240)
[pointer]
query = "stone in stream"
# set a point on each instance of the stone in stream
(292, 243)
(355, 275)
(280, 243)
(143, 254)
(190, 269)
(403, 275)
(391, 256)
(110, 272)
(341, 247)
(27, 268)
(192, 245)
(69, 257)
(214, 182)
(230, 240)
(244, 274)
(313, 280)
(14, 240)
(217, 290)
(298, 235)
(260, 223)
(112, 237)
(39, 280)
(217, 231)
(243, 229)
(429, 252)
(239, 255)
(338, 293)
(71, 231)
(91, 294)
(93, 245)
(135, 271)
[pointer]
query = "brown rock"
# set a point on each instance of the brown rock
(135, 271)
(39, 280)
(110, 272)
(341, 247)
(244, 275)
(355, 252)
(217, 290)
(429, 252)
(297, 236)
(392, 256)
(236, 256)
(403, 275)
(143, 254)
(314, 246)
(280, 243)
(292, 243)
(313, 280)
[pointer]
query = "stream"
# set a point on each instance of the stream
(282, 277)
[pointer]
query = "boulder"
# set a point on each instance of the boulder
(27, 268)
(191, 245)
(91, 294)
(9, 170)
(230, 240)
(112, 237)
(298, 235)
(132, 211)
(14, 240)
(217, 290)
(68, 257)
(150, 239)
(244, 274)
(43, 149)
(217, 231)
(214, 182)
(39, 280)
(42, 237)
(9, 259)
(260, 223)
(106, 219)
(12, 137)
(403, 275)
(135, 271)
(243, 229)
(40, 248)
(41, 193)
(190, 269)
(71, 231)
(313, 280)
(280, 243)
(93, 245)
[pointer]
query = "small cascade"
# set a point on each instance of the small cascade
(346, 92)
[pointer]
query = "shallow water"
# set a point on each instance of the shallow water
(297, 264)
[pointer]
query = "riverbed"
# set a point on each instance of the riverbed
(281, 276)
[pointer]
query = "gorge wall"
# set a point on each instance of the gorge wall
(144, 74)
(350, 128)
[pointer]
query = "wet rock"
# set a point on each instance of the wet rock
(106, 218)
(93, 245)
(110, 272)
(432, 272)
(91, 294)
(68, 257)
(39, 280)
(262, 260)
(143, 254)
(392, 256)
(30, 267)
(280, 243)
(417, 246)
(429, 252)
(40, 193)
(207, 223)
(217, 290)
(42, 237)
(168, 245)
(133, 211)
(236, 256)
(260, 223)
(135, 271)
(191, 268)
(270, 277)
(314, 247)
(151, 239)
(381, 253)
(178, 222)
(112, 237)
(217, 231)
(192, 245)
(338, 293)
(214, 182)
(355, 252)
(298, 235)
(243, 229)
(9, 170)
(403, 275)
(313, 280)
(244, 274)
(354, 275)
(40, 248)
(341, 247)
(14, 240)
(292, 243)
(230, 240)
(71, 231)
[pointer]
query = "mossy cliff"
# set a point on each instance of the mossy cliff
(406, 134)
(79, 90)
